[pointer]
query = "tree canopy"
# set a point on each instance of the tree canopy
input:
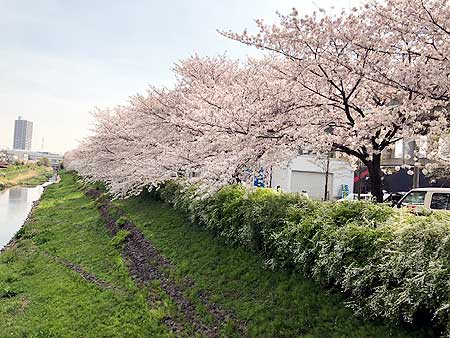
(354, 83)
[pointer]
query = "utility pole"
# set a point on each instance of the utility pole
(416, 169)
(327, 172)
(416, 177)
(359, 179)
(270, 177)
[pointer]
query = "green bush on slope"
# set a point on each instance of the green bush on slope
(391, 264)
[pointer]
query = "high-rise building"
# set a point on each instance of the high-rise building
(23, 133)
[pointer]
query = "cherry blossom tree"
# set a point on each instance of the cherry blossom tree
(237, 109)
(218, 121)
(131, 147)
(354, 83)
(415, 35)
(354, 94)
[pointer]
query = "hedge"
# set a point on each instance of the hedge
(391, 264)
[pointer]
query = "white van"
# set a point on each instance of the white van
(429, 198)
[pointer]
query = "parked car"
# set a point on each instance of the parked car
(428, 198)
(393, 198)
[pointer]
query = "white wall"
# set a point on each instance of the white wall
(340, 170)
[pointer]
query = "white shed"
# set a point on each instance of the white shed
(307, 172)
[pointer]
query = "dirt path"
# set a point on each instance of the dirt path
(146, 264)
(87, 276)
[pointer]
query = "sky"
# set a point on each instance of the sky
(59, 59)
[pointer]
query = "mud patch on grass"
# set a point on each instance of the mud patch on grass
(87, 276)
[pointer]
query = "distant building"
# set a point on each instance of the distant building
(33, 156)
(309, 173)
(23, 133)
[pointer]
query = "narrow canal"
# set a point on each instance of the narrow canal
(15, 204)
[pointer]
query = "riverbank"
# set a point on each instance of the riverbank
(86, 267)
(64, 277)
(24, 175)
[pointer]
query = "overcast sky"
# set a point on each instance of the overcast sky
(61, 58)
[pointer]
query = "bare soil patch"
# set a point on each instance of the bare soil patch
(146, 264)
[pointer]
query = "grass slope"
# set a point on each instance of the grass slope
(26, 175)
(40, 297)
(273, 303)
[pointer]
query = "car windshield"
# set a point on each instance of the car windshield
(414, 198)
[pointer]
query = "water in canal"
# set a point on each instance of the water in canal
(15, 204)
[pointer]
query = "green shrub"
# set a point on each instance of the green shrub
(361, 212)
(223, 212)
(120, 238)
(391, 264)
(413, 271)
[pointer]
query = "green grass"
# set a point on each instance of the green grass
(25, 175)
(42, 298)
(273, 303)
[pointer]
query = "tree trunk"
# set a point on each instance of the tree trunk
(374, 167)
